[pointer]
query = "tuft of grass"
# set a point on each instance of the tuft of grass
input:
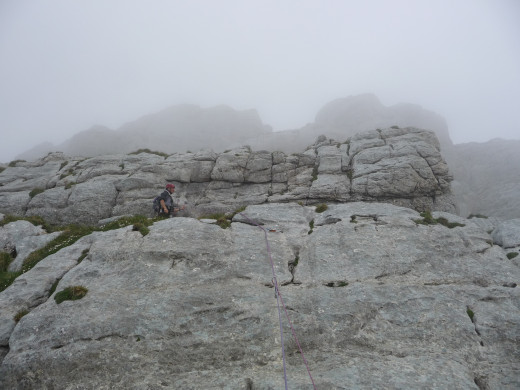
(53, 287)
(321, 208)
(14, 162)
(69, 185)
(311, 225)
(350, 174)
(221, 219)
(71, 293)
(476, 216)
(353, 219)
(2, 169)
(150, 152)
(470, 313)
(5, 260)
(63, 164)
(429, 220)
(18, 316)
(314, 173)
(84, 254)
(141, 228)
(512, 255)
(35, 191)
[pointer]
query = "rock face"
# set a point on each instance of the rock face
(376, 299)
(400, 166)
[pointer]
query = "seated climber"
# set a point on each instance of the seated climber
(163, 204)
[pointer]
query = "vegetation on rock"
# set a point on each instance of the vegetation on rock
(71, 293)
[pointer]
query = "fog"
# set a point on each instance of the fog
(70, 64)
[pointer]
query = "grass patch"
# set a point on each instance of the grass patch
(5, 260)
(221, 219)
(150, 152)
(70, 234)
(63, 164)
(7, 278)
(35, 191)
(512, 255)
(321, 208)
(71, 293)
(18, 316)
(477, 216)
(2, 169)
(311, 225)
(36, 220)
(429, 220)
(353, 219)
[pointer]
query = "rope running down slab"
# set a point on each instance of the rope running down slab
(279, 299)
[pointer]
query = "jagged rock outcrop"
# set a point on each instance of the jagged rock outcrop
(400, 166)
(347, 116)
(377, 300)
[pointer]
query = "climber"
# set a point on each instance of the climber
(163, 204)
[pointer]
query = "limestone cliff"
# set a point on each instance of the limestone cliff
(400, 166)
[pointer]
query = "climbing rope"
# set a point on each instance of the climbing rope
(279, 299)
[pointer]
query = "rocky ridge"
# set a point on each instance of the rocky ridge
(377, 298)
(400, 166)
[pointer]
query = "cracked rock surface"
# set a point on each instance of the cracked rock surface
(399, 166)
(377, 300)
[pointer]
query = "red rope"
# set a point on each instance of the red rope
(279, 294)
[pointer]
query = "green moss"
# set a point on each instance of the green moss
(470, 313)
(18, 316)
(35, 191)
(321, 208)
(69, 185)
(71, 293)
(353, 219)
(350, 174)
(150, 152)
(512, 255)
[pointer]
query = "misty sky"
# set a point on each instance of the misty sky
(66, 65)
